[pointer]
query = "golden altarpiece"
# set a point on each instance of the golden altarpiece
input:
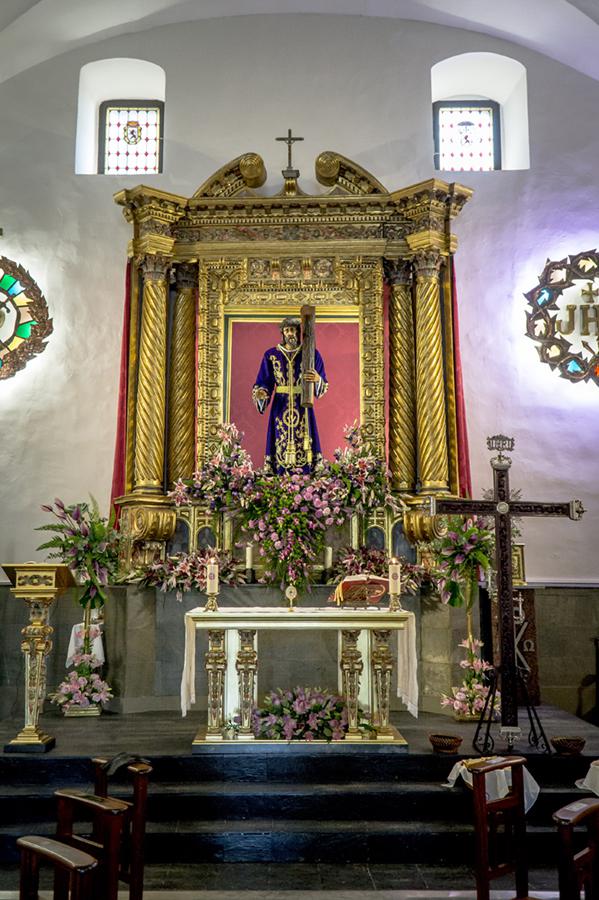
(228, 249)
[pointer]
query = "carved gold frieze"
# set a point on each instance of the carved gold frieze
(292, 268)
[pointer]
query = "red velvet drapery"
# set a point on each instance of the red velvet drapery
(462, 430)
(120, 447)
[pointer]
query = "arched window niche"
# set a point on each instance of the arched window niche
(107, 79)
(489, 76)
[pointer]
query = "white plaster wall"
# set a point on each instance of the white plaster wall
(359, 86)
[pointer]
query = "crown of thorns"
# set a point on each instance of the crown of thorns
(290, 322)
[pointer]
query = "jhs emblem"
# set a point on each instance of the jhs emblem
(133, 132)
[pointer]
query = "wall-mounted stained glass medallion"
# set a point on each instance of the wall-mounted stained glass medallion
(24, 319)
(563, 318)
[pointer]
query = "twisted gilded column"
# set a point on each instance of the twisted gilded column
(181, 395)
(431, 415)
(151, 379)
(402, 403)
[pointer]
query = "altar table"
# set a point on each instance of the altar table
(232, 641)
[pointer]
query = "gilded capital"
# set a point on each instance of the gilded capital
(186, 275)
(398, 271)
(427, 263)
(155, 267)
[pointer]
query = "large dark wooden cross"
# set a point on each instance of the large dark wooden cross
(502, 508)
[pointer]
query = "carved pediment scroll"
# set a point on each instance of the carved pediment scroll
(334, 170)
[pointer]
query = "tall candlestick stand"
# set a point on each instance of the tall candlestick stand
(38, 584)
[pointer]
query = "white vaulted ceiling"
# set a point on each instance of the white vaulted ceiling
(31, 32)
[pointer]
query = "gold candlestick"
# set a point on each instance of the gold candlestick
(38, 584)
(211, 586)
(291, 595)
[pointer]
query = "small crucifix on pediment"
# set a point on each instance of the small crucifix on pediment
(290, 174)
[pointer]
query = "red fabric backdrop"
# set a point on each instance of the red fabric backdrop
(120, 447)
(337, 342)
(462, 430)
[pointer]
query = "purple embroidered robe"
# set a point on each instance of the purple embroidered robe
(292, 440)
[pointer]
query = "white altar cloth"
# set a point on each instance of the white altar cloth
(335, 618)
(590, 782)
(497, 783)
(76, 644)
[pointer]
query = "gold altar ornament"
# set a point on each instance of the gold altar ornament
(38, 584)
(232, 252)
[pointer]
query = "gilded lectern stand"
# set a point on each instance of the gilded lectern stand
(38, 584)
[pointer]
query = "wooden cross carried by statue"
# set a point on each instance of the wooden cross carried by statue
(308, 314)
(502, 508)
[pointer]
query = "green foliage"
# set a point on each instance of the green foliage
(87, 543)
(461, 555)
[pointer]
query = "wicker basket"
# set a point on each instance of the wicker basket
(568, 746)
(445, 743)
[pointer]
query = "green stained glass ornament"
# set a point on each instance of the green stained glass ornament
(6, 282)
(24, 330)
(19, 317)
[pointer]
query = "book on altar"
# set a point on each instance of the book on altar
(365, 589)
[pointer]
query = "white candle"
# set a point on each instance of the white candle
(328, 558)
(249, 556)
(212, 577)
(394, 578)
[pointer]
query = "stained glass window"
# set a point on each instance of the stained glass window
(130, 137)
(467, 135)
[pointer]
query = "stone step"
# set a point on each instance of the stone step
(300, 763)
(396, 802)
(268, 840)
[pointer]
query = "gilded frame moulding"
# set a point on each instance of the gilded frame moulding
(225, 287)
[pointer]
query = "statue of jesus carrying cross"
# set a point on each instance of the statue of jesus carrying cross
(286, 373)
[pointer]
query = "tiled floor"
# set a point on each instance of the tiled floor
(309, 895)
(331, 882)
